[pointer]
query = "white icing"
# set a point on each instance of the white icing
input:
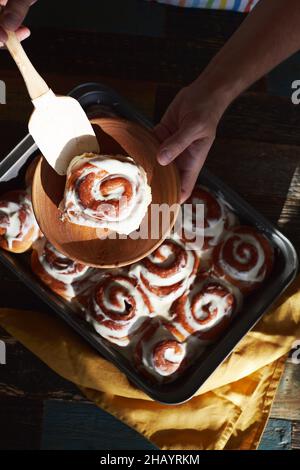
(216, 227)
(174, 357)
(215, 301)
(148, 345)
(74, 282)
(13, 227)
(15, 230)
(131, 214)
(185, 275)
(255, 273)
(125, 328)
(232, 218)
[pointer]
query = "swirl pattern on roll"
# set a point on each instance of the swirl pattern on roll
(119, 308)
(166, 274)
(216, 219)
(105, 191)
(244, 258)
(159, 354)
(205, 310)
(18, 226)
(66, 277)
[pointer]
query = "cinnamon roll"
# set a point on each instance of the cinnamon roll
(109, 192)
(158, 353)
(204, 235)
(205, 310)
(165, 274)
(18, 227)
(65, 277)
(118, 308)
(244, 258)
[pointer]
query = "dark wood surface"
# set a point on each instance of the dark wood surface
(257, 153)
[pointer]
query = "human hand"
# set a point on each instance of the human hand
(187, 131)
(14, 12)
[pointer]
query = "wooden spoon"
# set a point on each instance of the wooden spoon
(58, 124)
(83, 244)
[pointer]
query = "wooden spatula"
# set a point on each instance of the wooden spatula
(58, 124)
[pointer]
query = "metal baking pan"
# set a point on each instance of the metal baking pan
(98, 100)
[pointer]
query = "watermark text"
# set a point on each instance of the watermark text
(296, 93)
(295, 353)
(2, 92)
(2, 353)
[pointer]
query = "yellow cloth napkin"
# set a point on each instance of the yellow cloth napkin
(228, 412)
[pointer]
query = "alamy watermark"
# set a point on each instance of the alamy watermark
(188, 226)
(295, 353)
(296, 94)
(2, 92)
(2, 353)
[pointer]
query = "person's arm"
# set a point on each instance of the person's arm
(11, 18)
(269, 34)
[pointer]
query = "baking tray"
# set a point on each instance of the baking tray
(99, 100)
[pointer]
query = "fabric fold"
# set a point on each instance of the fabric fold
(228, 412)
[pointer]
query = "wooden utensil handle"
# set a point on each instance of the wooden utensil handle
(35, 84)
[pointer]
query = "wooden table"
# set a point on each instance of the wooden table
(257, 152)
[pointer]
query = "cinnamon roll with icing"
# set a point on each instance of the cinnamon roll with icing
(217, 217)
(65, 277)
(109, 192)
(18, 226)
(118, 308)
(158, 353)
(165, 274)
(244, 258)
(205, 310)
